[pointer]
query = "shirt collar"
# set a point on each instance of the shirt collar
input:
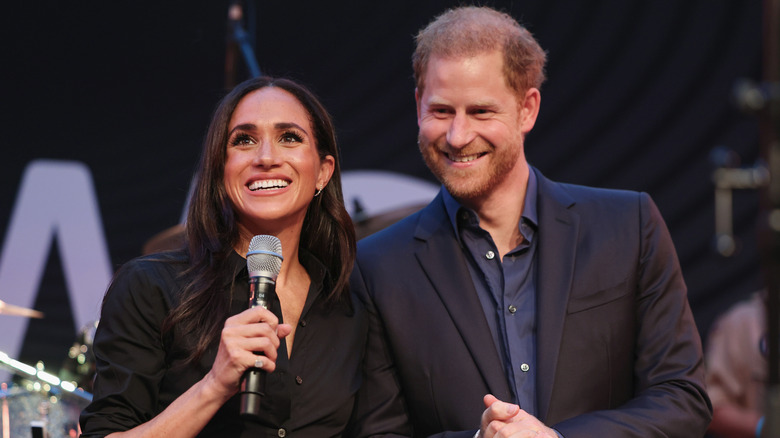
(453, 207)
(318, 272)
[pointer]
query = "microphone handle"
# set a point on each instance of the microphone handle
(261, 291)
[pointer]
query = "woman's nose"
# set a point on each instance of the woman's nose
(266, 154)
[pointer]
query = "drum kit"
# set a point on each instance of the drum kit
(38, 404)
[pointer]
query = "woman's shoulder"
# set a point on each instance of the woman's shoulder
(171, 262)
(149, 278)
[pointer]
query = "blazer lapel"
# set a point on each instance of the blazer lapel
(444, 263)
(558, 231)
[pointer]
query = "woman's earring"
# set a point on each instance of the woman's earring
(318, 193)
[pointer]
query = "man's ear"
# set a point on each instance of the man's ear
(529, 109)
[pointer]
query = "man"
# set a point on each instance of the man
(565, 304)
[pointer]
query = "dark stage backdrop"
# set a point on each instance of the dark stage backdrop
(104, 105)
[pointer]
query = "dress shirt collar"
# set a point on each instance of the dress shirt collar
(454, 207)
(320, 277)
(316, 269)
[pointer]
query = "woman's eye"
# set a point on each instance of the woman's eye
(241, 140)
(291, 137)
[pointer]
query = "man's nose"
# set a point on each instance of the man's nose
(460, 132)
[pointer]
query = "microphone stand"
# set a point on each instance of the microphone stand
(239, 39)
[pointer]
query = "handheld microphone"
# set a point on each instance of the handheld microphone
(263, 261)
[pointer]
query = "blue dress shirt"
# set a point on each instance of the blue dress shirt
(506, 289)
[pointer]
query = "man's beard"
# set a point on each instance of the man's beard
(470, 184)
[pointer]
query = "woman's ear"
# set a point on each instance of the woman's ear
(327, 166)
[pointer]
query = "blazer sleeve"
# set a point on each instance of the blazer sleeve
(379, 409)
(669, 397)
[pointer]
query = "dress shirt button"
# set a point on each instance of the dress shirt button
(298, 380)
(302, 323)
(490, 255)
(512, 309)
(524, 368)
(281, 433)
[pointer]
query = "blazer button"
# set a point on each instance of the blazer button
(512, 309)
(524, 368)
(298, 380)
(281, 433)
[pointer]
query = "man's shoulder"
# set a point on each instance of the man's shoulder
(585, 198)
(584, 192)
(604, 208)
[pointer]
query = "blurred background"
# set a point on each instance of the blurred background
(104, 106)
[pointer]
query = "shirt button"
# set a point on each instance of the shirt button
(490, 255)
(298, 380)
(524, 368)
(512, 309)
(281, 433)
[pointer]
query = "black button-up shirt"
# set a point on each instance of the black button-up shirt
(141, 370)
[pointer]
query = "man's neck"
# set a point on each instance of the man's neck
(500, 212)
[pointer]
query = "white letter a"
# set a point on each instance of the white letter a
(56, 198)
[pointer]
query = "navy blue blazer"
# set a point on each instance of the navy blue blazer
(618, 352)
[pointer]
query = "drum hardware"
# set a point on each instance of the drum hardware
(41, 404)
(42, 380)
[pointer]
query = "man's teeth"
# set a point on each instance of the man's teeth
(268, 184)
(464, 159)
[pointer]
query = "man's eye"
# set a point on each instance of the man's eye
(482, 113)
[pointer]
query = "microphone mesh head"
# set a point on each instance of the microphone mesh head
(264, 255)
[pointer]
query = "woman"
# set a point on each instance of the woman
(175, 334)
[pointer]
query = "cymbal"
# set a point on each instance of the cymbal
(10, 309)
